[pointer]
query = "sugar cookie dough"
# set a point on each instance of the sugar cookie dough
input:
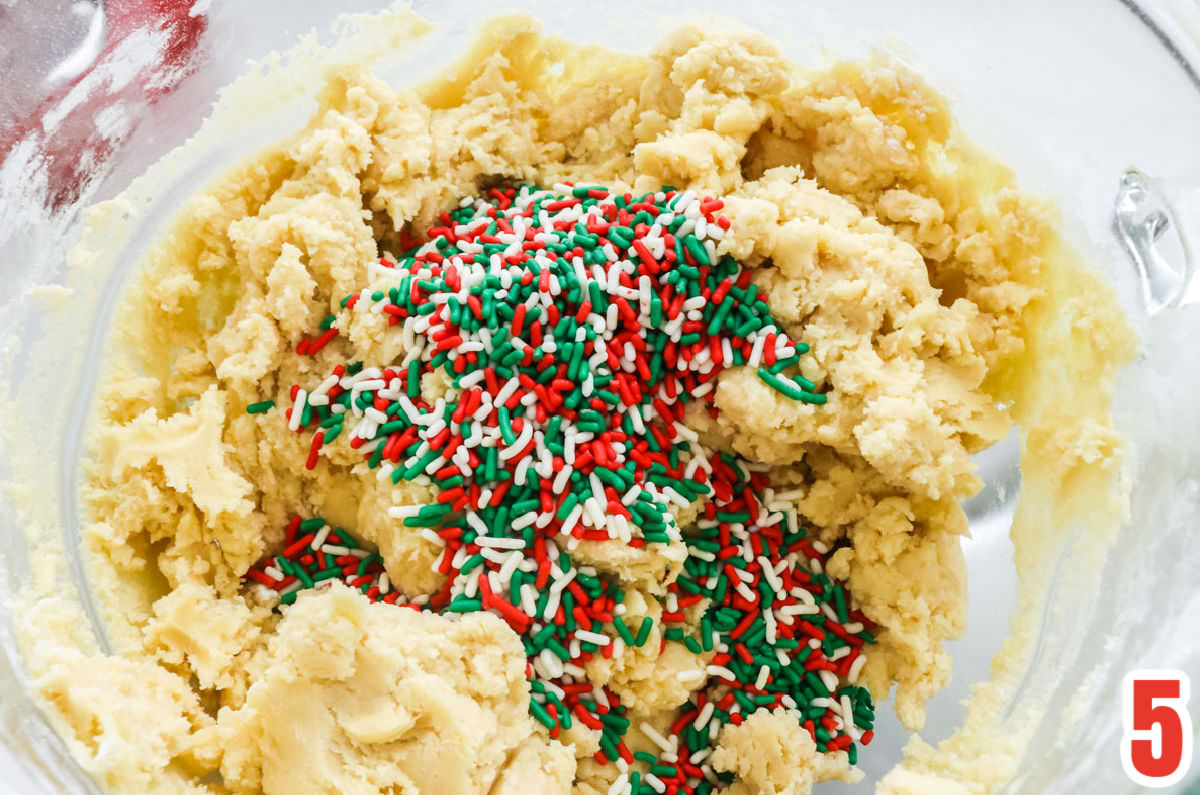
(902, 256)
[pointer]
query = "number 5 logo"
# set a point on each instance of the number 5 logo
(1156, 748)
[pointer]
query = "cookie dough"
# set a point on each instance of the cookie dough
(906, 258)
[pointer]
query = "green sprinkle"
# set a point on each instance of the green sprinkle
(644, 631)
(788, 388)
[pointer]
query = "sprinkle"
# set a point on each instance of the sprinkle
(297, 411)
(592, 637)
(322, 534)
(655, 737)
(856, 669)
(574, 326)
(789, 388)
(500, 543)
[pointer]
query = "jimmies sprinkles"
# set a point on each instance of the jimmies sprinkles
(575, 326)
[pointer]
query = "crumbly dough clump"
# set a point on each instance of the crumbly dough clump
(901, 255)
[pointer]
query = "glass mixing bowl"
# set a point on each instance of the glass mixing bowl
(1095, 103)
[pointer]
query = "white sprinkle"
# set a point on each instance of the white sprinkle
(560, 480)
(564, 579)
(592, 637)
(544, 520)
(494, 555)
(550, 661)
(620, 785)
(529, 600)
(829, 678)
(329, 382)
(673, 496)
(296, 586)
(319, 539)
(366, 429)
(721, 671)
(370, 384)
(552, 605)
(477, 524)
(655, 737)
(509, 567)
(500, 543)
(507, 391)
(297, 410)
(772, 627)
(571, 520)
(569, 439)
(856, 668)
(804, 596)
(404, 511)
(756, 351)
(522, 472)
(594, 513)
(769, 572)
(524, 520)
(520, 444)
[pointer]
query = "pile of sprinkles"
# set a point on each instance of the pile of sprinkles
(574, 326)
